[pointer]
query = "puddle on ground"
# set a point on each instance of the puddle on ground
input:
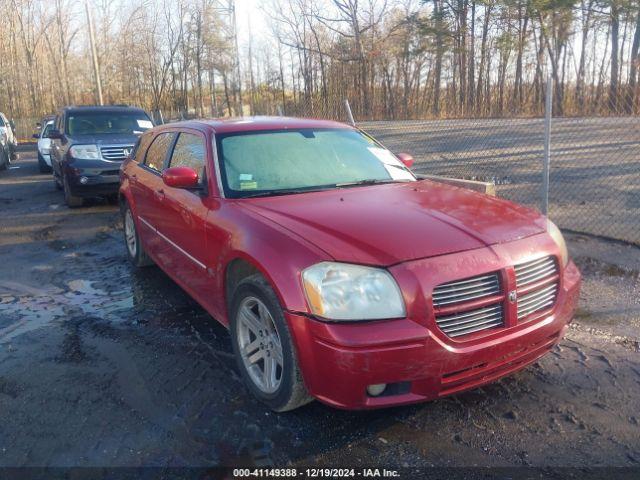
(29, 309)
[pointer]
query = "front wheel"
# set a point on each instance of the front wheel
(42, 165)
(71, 200)
(263, 346)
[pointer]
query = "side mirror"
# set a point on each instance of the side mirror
(54, 134)
(180, 177)
(406, 159)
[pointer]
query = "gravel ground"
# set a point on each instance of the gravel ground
(104, 366)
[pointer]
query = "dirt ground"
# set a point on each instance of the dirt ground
(104, 366)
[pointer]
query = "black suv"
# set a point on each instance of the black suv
(88, 145)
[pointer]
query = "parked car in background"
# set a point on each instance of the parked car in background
(44, 144)
(340, 275)
(88, 146)
(8, 142)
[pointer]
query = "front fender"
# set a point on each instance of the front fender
(277, 253)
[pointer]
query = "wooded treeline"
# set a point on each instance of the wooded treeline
(392, 59)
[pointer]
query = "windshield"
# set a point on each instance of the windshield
(98, 123)
(276, 162)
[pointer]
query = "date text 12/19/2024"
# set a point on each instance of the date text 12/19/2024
(240, 473)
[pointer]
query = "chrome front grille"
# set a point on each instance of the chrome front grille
(534, 271)
(466, 290)
(537, 300)
(471, 321)
(116, 153)
(455, 312)
(541, 275)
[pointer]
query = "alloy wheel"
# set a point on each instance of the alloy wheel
(130, 233)
(259, 344)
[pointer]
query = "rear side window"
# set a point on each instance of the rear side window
(189, 152)
(157, 152)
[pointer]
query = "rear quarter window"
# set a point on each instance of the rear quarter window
(141, 147)
(158, 150)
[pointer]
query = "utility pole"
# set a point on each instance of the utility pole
(226, 9)
(232, 7)
(546, 165)
(94, 54)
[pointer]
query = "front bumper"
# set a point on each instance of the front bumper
(93, 178)
(415, 358)
(46, 158)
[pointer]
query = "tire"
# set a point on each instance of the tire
(71, 200)
(4, 160)
(42, 165)
(56, 183)
(269, 332)
(135, 251)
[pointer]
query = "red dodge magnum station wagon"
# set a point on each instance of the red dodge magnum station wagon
(339, 274)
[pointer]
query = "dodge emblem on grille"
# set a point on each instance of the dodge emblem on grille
(513, 296)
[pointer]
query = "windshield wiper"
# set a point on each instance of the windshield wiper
(368, 182)
(275, 193)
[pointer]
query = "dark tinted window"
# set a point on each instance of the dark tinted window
(189, 152)
(99, 123)
(158, 151)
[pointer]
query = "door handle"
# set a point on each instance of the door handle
(159, 194)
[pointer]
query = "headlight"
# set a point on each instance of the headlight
(557, 237)
(340, 291)
(85, 152)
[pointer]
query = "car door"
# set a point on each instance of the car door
(148, 193)
(184, 213)
(56, 149)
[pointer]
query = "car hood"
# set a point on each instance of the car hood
(108, 139)
(394, 223)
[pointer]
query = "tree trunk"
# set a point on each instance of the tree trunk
(632, 94)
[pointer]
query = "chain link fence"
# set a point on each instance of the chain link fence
(594, 184)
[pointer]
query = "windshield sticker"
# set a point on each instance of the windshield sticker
(245, 177)
(248, 185)
(145, 124)
(394, 167)
(385, 156)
